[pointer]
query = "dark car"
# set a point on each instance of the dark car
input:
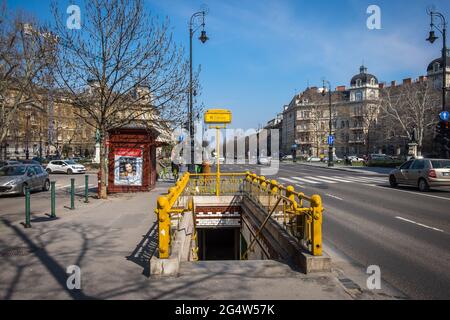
(8, 163)
(28, 161)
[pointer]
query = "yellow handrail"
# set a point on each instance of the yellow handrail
(307, 220)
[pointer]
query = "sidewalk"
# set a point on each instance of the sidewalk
(365, 170)
(112, 242)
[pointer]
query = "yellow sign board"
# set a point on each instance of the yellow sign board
(218, 116)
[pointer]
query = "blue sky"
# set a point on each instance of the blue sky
(262, 52)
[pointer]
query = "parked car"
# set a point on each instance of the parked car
(29, 161)
(65, 166)
(39, 159)
(8, 163)
(264, 161)
(422, 173)
(355, 159)
(14, 179)
(286, 157)
(314, 159)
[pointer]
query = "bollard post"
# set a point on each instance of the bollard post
(53, 199)
(316, 230)
(27, 208)
(86, 189)
(72, 194)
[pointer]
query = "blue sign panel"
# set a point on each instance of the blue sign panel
(330, 140)
(444, 115)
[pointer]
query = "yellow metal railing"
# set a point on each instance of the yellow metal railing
(283, 204)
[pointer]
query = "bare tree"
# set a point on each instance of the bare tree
(131, 63)
(413, 108)
(25, 51)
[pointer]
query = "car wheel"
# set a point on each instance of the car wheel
(46, 185)
(69, 171)
(423, 185)
(48, 170)
(393, 182)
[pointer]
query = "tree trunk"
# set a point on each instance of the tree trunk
(103, 170)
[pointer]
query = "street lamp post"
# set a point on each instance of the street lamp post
(203, 38)
(330, 145)
(432, 38)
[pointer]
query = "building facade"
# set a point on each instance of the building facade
(357, 121)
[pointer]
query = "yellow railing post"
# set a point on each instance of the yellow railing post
(164, 227)
(316, 236)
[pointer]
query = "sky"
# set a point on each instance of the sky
(262, 52)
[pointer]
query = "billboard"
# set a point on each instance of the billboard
(128, 167)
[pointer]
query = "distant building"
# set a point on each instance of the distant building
(355, 117)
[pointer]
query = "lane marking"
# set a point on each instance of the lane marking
(289, 180)
(335, 178)
(322, 180)
(306, 180)
(335, 197)
(419, 224)
(411, 192)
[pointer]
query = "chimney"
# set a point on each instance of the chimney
(340, 88)
(422, 79)
(393, 83)
(407, 81)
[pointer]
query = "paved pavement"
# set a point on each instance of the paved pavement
(112, 241)
(403, 231)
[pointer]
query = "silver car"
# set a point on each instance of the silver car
(14, 179)
(422, 173)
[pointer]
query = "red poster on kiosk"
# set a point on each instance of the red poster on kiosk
(128, 167)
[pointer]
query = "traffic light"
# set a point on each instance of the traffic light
(442, 129)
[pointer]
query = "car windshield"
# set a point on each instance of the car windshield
(441, 164)
(12, 171)
(70, 162)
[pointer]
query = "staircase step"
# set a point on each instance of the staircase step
(235, 267)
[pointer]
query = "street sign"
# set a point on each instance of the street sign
(218, 116)
(444, 115)
(330, 140)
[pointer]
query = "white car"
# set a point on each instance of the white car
(264, 161)
(355, 159)
(65, 166)
(314, 159)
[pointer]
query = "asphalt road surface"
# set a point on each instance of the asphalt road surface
(403, 231)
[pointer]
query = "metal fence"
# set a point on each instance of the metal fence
(298, 214)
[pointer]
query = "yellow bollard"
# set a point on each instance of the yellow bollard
(316, 236)
(163, 227)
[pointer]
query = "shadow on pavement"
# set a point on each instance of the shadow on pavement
(145, 250)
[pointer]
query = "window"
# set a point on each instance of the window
(406, 165)
(38, 170)
(358, 83)
(418, 165)
(358, 96)
(342, 124)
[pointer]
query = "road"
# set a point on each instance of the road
(404, 232)
(12, 207)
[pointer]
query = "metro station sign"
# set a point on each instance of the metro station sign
(218, 116)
